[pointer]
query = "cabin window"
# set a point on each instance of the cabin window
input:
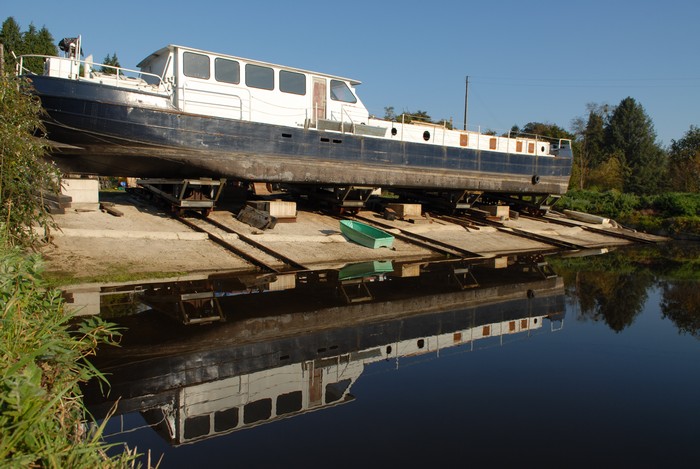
(340, 91)
(493, 143)
(196, 65)
(196, 426)
(258, 410)
(259, 77)
(290, 402)
(226, 419)
(335, 391)
(292, 82)
(227, 71)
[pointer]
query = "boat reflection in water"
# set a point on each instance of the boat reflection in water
(229, 352)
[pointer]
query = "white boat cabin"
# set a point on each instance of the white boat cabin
(237, 88)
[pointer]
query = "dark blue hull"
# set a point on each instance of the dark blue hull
(130, 133)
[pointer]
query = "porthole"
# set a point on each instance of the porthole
(421, 343)
(394, 131)
(542, 149)
(426, 135)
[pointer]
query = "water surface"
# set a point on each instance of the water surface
(576, 361)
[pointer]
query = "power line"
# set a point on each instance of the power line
(586, 82)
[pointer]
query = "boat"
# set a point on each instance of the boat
(190, 113)
(366, 235)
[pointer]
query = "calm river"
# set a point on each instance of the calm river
(552, 361)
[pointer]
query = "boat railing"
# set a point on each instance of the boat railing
(532, 144)
(345, 123)
(222, 101)
(344, 112)
(74, 69)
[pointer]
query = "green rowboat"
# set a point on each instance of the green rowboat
(366, 235)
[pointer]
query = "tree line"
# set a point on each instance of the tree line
(618, 150)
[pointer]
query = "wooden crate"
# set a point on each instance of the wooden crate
(282, 211)
(502, 211)
(404, 211)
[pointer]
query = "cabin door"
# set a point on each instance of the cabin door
(319, 101)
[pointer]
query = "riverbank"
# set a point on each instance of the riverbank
(669, 214)
(147, 242)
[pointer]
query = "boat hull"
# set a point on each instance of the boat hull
(114, 132)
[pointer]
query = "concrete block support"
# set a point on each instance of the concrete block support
(85, 193)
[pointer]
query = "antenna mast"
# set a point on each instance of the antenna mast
(466, 101)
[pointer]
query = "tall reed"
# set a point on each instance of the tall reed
(44, 359)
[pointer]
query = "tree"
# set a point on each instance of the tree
(630, 133)
(389, 113)
(11, 38)
(595, 139)
(445, 123)
(24, 173)
(681, 304)
(684, 162)
(40, 43)
(545, 130)
(45, 43)
(590, 135)
(610, 174)
(409, 117)
(113, 63)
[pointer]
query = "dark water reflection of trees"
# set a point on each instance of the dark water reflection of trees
(614, 287)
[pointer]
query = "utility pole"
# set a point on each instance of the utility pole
(466, 101)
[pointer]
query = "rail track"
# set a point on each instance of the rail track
(276, 262)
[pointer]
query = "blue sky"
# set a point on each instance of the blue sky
(527, 61)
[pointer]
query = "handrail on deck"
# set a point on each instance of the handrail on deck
(119, 72)
(343, 110)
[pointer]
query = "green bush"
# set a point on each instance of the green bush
(24, 171)
(674, 204)
(689, 225)
(668, 213)
(612, 203)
